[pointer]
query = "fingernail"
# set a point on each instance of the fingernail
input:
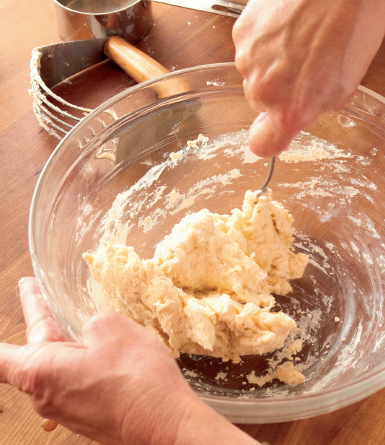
(21, 282)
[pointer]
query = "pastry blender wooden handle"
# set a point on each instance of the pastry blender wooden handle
(140, 66)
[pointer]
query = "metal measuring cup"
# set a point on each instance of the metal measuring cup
(130, 19)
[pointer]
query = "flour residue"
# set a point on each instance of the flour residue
(339, 197)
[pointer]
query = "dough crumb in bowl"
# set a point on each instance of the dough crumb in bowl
(285, 372)
(208, 289)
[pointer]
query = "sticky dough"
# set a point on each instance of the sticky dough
(208, 289)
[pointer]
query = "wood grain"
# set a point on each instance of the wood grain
(178, 39)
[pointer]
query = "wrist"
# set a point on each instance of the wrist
(180, 418)
(201, 424)
(159, 418)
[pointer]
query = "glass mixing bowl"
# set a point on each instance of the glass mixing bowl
(331, 180)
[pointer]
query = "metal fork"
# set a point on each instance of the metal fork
(270, 169)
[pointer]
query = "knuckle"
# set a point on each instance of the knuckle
(240, 31)
(292, 120)
(235, 31)
(33, 377)
(266, 87)
(241, 61)
(44, 406)
(343, 96)
(256, 89)
(298, 115)
(35, 383)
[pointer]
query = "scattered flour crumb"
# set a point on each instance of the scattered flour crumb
(176, 155)
(368, 258)
(285, 372)
(315, 153)
(288, 374)
(221, 375)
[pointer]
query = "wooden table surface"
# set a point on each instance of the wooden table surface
(179, 39)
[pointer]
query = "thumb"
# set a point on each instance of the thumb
(267, 138)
